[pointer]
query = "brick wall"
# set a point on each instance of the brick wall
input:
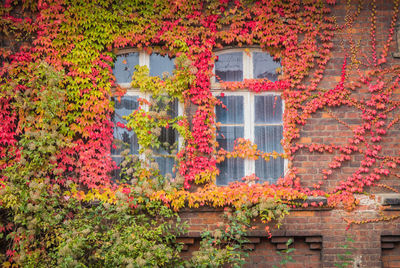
(320, 235)
(319, 238)
(323, 127)
(390, 250)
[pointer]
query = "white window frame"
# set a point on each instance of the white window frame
(144, 60)
(248, 102)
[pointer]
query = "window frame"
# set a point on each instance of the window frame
(144, 60)
(248, 102)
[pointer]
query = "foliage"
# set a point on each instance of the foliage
(56, 89)
(65, 232)
(48, 226)
(285, 254)
(346, 258)
(224, 245)
(114, 235)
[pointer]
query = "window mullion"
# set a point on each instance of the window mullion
(145, 107)
(247, 63)
(286, 161)
(181, 140)
(144, 59)
(250, 126)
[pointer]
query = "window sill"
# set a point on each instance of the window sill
(390, 201)
(309, 201)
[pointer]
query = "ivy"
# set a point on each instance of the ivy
(56, 92)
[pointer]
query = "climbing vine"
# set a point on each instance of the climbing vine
(57, 93)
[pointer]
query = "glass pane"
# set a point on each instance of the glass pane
(165, 103)
(264, 66)
(165, 165)
(160, 64)
(230, 169)
(268, 109)
(116, 173)
(268, 139)
(229, 66)
(270, 171)
(226, 136)
(124, 139)
(167, 139)
(168, 136)
(124, 67)
(233, 113)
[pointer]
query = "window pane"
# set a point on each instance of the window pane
(116, 173)
(268, 139)
(124, 139)
(233, 113)
(268, 109)
(226, 136)
(270, 171)
(124, 67)
(160, 64)
(168, 137)
(264, 66)
(165, 164)
(167, 104)
(229, 66)
(230, 169)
